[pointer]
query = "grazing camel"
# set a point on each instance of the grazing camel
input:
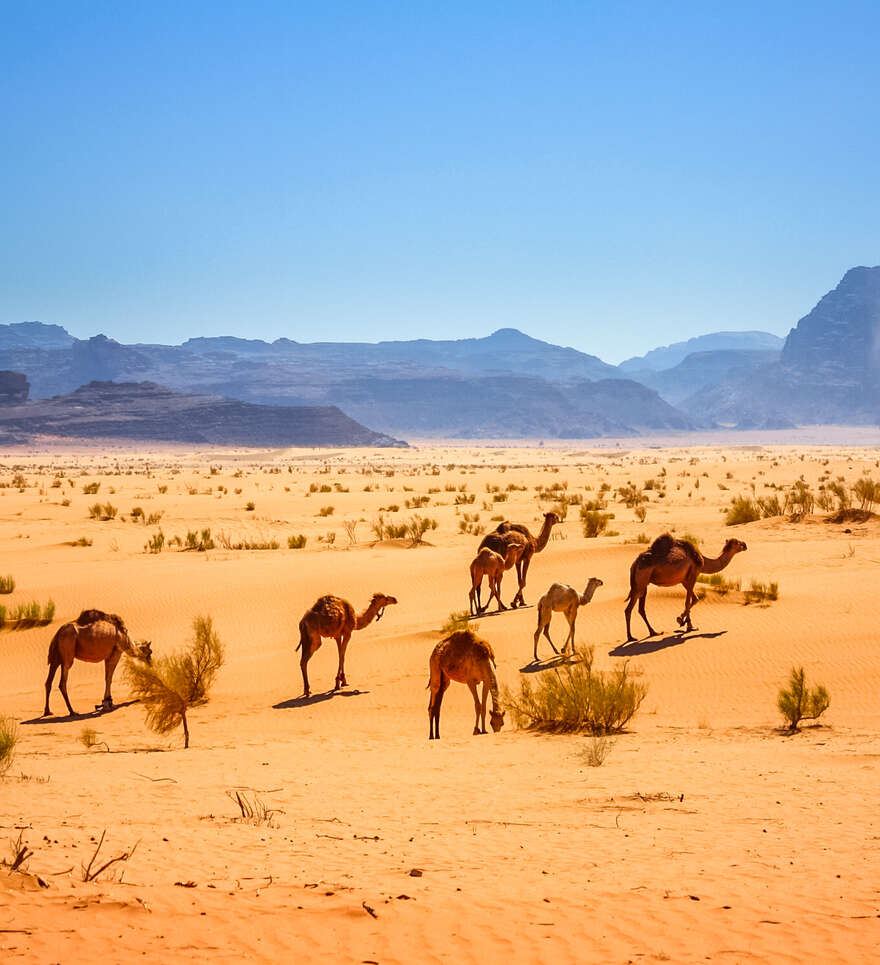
(331, 616)
(534, 544)
(492, 565)
(466, 658)
(669, 562)
(94, 636)
(561, 598)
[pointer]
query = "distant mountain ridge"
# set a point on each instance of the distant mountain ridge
(143, 410)
(667, 356)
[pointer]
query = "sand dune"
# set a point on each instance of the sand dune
(706, 834)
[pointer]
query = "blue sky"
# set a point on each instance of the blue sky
(607, 176)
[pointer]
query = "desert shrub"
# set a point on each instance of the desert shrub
(350, 527)
(7, 583)
(575, 697)
(103, 511)
(8, 740)
(326, 511)
(742, 510)
(199, 541)
(769, 506)
(162, 490)
(560, 507)
(866, 491)
(458, 620)
(171, 685)
(249, 507)
(464, 499)
(25, 615)
(800, 499)
(640, 513)
(296, 542)
(798, 702)
(91, 489)
(136, 512)
(82, 541)
(759, 592)
(594, 522)
(418, 526)
(597, 749)
(155, 543)
(643, 538)
(417, 502)
(153, 518)
(630, 495)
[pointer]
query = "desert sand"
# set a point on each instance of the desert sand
(708, 834)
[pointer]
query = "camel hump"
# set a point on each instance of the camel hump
(662, 545)
(691, 551)
(88, 617)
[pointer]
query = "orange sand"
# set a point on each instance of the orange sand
(705, 836)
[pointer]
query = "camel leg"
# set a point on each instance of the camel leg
(473, 689)
(518, 599)
(308, 649)
(109, 668)
(62, 686)
(53, 667)
(342, 644)
(630, 603)
(547, 635)
(434, 703)
(474, 601)
(570, 638)
(651, 631)
(483, 708)
(497, 592)
(690, 598)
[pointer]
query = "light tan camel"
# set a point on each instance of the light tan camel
(490, 564)
(501, 543)
(331, 616)
(94, 636)
(534, 545)
(467, 659)
(669, 562)
(561, 598)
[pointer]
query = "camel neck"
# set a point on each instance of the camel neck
(543, 536)
(717, 564)
(366, 618)
(587, 595)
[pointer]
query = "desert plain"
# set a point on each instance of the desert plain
(708, 833)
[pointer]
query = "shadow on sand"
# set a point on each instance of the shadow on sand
(317, 699)
(497, 613)
(652, 645)
(91, 715)
(558, 660)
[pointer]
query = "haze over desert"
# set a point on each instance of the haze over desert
(709, 832)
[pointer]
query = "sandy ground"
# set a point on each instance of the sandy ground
(706, 835)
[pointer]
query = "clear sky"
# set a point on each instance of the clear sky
(611, 176)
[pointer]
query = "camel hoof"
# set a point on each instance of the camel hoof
(477, 731)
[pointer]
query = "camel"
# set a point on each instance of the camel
(94, 636)
(331, 616)
(467, 659)
(561, 598)
(490, 564)
(534, 544)
(669, 562)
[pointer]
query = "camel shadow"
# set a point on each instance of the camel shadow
(650, 645)
(558, 660)
(295, 702)
(497, 613)
(89, 715)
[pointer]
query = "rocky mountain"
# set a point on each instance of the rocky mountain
(14, 388)
(143, 410)
(34, 335)
(703, 370)
(505, 385)
(668, 356)
(828, 371)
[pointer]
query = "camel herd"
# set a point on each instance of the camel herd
(462, 656)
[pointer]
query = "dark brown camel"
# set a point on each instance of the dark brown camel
(331, 616)
(669, 562)
(534, 544)
(94, 636)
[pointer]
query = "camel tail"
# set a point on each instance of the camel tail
(302, 637)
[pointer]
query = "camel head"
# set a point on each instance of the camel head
(496, 719)
(380, 601)
(143, 651)
(734, 546)
(551, 519)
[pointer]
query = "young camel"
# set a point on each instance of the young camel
(502, 543)
(669, 562)
(331, 616)
(490, 564)
(534, 544)
(561, 598)
(94, 636)
(467, 659)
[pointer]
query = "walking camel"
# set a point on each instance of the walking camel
(492, 565)
(94, 636)
(331, 616)
(534, 544)
(467, 659)
(668, 562)
(561, 598)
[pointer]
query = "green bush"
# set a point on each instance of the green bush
(8, 740)
(296, 542)
(742, 510)
(7, 584)
(798, 702)
(458, 620)
(418, 526)
(575, 697)
(594, 522)
(171, 685)
(155, 543)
